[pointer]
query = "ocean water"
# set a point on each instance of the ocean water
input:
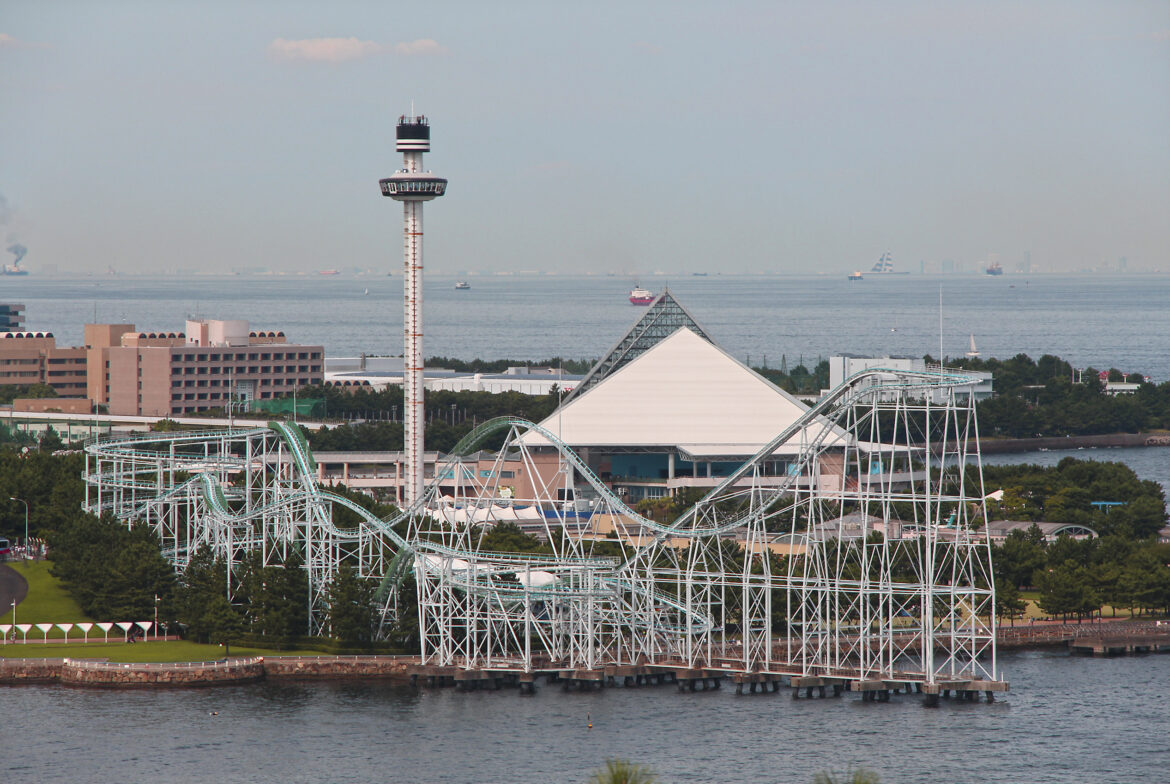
(1066, 719)
(1090, 320)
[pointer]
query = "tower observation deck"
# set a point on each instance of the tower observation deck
(412, 186)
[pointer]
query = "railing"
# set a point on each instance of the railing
(348, 658)
(1060, 632)
(108, 666)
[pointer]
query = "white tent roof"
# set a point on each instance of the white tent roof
(684, 392)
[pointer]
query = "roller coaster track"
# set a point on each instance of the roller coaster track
(466, 588)
(847, 393)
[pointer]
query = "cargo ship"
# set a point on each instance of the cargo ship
(14, 268)
(994, 269)
(641, 296)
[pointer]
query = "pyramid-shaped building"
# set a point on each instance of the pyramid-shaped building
(671, 412)
(664, 316)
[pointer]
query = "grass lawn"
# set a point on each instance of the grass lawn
(179, 650)
(47, 600)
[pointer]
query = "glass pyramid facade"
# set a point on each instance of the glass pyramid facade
(662, 318)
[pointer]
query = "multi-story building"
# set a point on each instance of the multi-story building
(11, 317)
(28, 358)
(208, 366)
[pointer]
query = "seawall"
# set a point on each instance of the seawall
(103, 673)
(88, 672)
(317, 667)
(1003, 445)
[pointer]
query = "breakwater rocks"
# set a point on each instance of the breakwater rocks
(99, 672)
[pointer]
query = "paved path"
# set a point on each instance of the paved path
(12, 586)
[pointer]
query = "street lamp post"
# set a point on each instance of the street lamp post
(25, 523)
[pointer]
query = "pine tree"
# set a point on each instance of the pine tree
(351, 606)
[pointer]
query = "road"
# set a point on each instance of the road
(12, 586)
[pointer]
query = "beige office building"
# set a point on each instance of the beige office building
(205, 367)
(28, 358)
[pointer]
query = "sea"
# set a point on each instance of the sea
(1101, 321)
(1065, 719)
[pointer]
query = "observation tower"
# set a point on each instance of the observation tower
(412, 186)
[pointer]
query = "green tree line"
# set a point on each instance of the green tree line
(450, 416)
(1065, 493)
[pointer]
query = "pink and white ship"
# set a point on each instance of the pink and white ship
(640, 296)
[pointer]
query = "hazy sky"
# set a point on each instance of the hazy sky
(627, 137)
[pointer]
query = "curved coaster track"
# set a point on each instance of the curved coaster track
(852, 546)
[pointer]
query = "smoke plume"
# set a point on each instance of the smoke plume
(19, 250)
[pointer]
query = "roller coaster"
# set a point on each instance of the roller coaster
(865, 558)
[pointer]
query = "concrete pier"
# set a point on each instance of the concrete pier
(1121, 645)
(967, 691)
(698, 680)
(582, 680)
(756, 683)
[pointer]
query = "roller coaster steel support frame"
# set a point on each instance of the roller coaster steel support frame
(865, 558)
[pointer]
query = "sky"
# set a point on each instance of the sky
(625, 137)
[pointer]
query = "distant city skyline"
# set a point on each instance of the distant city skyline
(797, 138)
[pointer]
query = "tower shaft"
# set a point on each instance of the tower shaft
(414, 419)
(412, 186)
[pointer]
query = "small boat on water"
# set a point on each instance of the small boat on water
(972, 352)
(641, 296)
(462, 285)
(856, 275)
